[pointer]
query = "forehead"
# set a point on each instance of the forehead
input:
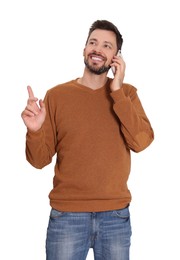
(103, 36)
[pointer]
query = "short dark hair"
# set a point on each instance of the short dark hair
(106, 25)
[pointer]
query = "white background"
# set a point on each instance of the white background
(41, 44)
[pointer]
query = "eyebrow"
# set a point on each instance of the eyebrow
(94, 39)
(109, 43)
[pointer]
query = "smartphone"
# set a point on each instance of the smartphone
(113, 68)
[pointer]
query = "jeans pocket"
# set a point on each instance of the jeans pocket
(54, 214)
(122, 213)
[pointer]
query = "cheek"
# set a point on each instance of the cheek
(85, 53)
(109, 60)
(88, 49)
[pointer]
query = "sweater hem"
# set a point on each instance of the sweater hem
(89, 205)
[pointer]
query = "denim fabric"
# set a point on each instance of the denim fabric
(71, 234)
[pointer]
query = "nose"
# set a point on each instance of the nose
(97, 49)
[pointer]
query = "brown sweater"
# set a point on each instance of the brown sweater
(92, 133)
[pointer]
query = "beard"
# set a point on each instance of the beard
(97, 71)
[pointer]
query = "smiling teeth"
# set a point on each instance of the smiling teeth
(95, 58)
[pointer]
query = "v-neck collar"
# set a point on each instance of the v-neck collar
(90, 90)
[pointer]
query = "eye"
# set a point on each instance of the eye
(92, 42)
(107, 46)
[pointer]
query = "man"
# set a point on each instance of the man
(91, 124)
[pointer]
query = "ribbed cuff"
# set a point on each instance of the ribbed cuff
(118, 95)
(36, 134)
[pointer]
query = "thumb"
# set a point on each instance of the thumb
(41, 104)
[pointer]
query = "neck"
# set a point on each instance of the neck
(93, 81)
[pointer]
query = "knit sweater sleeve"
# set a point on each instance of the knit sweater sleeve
(134, 124)
(41, 145)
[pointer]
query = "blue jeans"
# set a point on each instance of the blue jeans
(71, 234)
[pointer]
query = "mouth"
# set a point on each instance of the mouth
(96, 58)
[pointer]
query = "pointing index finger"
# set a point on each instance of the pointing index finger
(30, 92)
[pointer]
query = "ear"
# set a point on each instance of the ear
(84, 51)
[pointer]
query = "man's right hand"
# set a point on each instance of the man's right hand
(34, 114)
